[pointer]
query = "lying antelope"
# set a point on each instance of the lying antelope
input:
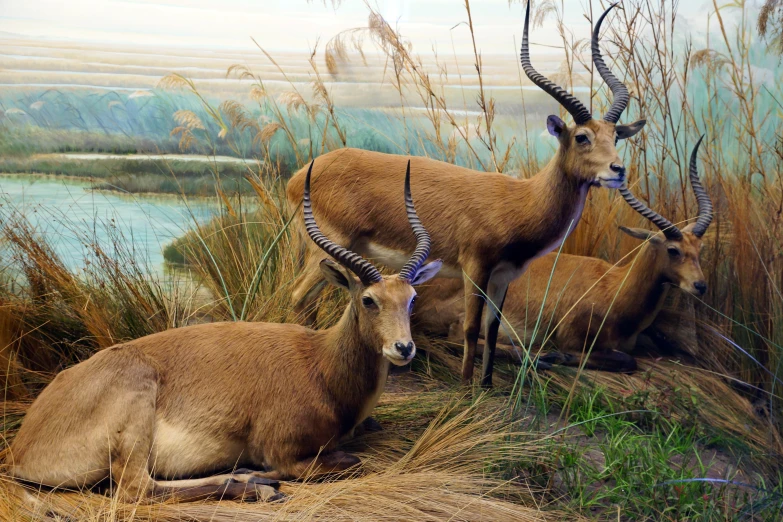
(486, 227)
(588, 296)
(203, 399)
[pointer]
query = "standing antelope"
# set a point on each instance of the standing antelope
(486, 227)
(588, 296)
(203, 399)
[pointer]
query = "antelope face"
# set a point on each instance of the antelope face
(682, 258)
(385, 308)
(678, 250)
(678, 258)
(590, 149)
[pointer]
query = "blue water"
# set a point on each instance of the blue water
(70, 216)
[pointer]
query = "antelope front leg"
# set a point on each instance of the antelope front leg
(475, 288)
(496, 295)
(249, 486)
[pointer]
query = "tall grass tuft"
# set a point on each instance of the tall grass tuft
(57, 317)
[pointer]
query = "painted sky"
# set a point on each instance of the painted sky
(286, 25)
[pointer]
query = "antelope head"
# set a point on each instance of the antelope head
(678, 250)
(588, 149)
(382, 304)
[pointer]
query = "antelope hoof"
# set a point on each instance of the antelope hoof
(614, 361)
(627, 363)
(246, 492)
(546, 361)
(553, 358)
(340, 460)
(619, 362)
(278, 497)
(256, 489)
(371, 425)
(264, 482)
(542, 366)
(264, 493)
(368, 425)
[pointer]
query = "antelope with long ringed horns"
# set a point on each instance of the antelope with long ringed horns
(589, 300)
(151, 413)
(486, 227)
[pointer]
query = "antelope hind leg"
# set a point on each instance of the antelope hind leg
(130, 471)
(131, 455)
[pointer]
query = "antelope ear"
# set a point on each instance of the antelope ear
(427, 272)
(338, 275)
(626, 131)
(688, 229)
(644, 235)
(555, 125)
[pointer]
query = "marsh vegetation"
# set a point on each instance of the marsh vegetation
(695, 434)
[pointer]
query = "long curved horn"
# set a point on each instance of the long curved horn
(702, 198)
(423, 242)
(619, 91)
(666, 226)
(568, 101)
(367, 273)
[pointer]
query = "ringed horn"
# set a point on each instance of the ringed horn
(668, 228)
(577, 110)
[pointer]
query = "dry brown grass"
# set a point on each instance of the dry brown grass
(447, 467)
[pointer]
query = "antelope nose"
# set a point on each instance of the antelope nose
(700, 287)
(617, 169)
(404, 349)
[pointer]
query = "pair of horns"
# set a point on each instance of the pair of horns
(667, 227)
(366, 272)
(568, 101)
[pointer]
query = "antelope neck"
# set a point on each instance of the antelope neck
(557, 209)
(643, 290)
(348, 364)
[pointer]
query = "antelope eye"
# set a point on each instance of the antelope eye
(582, 139)
(673, 251)
(368, 302)
(413, 302)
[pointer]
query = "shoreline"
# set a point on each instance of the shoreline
(91, 180)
